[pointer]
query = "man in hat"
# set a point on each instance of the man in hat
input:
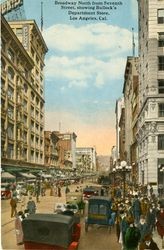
(148, 243)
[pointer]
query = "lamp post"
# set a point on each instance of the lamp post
(114, 172)
(161, 183)
(124, 168)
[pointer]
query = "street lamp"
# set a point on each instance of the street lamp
(124, 168)
(114, 172)
(161, 183)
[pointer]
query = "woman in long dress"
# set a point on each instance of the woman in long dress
(18, 228)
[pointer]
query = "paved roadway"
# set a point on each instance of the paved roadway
(97, 238)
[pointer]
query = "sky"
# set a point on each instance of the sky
(84, 67)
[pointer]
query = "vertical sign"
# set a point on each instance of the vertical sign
(25, 36)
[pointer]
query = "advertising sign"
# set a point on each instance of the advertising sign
(10, 5)
(25, 36)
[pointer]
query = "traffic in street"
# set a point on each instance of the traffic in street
(94, 235)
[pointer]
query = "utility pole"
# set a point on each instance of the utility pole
(41, 16)
(133, 43)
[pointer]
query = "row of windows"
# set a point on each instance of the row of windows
(160, 143)
(34, 155)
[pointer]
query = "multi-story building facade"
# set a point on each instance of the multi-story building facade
(113, 158)
(130, 114)
(118, 110)
(86, 159)
(51, 151)
(122, 152)
(150, 133)
(22, 95)
(66, 146)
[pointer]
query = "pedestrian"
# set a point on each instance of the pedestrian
(59, 191)
(132, 237)
(160, 224)
(118, 219)
(136, 208)
(31, 206)
(148, 243)
(18, 228)
(13, 204)
(67, 190)
(143, 227)
(151, 218)
(23, 202)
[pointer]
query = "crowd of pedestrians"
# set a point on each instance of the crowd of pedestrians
(137, 214)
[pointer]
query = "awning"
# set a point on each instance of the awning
(28, 175)
(7, 175)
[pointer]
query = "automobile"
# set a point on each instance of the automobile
(72, 207)
(59, 207)
(91, 191)
(5, 191)
(51, 232)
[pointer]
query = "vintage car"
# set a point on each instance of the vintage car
(5, 191)
(51, 232)
(99, 211)
(91, 191)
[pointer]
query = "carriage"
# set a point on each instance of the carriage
(99, 211)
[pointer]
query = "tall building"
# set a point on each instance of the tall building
(51, 151)
(86, 159)
(66, 150)
(150, 133)
(130, 115)
(118, 110)
(22, 95)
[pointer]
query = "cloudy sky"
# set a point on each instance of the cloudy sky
(84, 70)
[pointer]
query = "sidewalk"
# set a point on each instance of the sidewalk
(157, 239)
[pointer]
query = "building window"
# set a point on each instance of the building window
(161, 142)
(32, 156)
(161, 109)
(161, 86)
(25, 137)
(25, 88)
(10, 74)
(161, 63)
(10, 93)
(161, 39)
(10, 112)
(25, 154)
(10, 131)
(25, 120)
(10, 151)
(10, 54)
(161, 16)
(25, 105)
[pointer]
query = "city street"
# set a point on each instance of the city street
(97, 238)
